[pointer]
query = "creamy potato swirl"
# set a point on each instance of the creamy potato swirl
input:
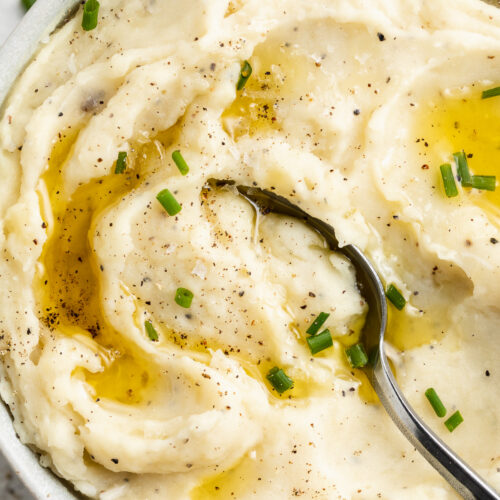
(349, 112)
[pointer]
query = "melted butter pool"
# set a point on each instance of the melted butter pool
(228, 484)
(444, 126)
(406, 331)
(68, 288)
(469, 123)
(278, 73)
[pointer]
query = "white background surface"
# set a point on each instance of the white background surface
(11, 12)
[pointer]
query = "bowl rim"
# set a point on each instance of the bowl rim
(22, 44)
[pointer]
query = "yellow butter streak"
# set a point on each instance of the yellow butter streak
(68, 288)
(445, 125)
(469, 123)
(277, 74)
(229, 484)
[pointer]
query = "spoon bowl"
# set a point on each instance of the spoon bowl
(458, 474)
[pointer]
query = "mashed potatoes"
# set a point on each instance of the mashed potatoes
(351, 109)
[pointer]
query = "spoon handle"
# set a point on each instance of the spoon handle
(462, 477)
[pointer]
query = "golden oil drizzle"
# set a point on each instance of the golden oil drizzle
(125, 380)
(446, 125)
(407, 331)
(68, 289)
(469, 123)
(231, 483)
(233, 7)
(278, 71)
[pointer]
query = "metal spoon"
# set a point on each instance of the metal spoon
(460, 475)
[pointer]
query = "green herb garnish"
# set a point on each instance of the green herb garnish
(490, 93)
(357, 356)
(90, 15)
(454, 421)
(485, 182)
(450, 187)
(245, 74)
(121, 162)
(151, 331)
(395, 296)
(462, 170)
(279, 380)
(168, 202)
(435, 402)
(320, 342)
(317, 323)
(180, 162)
(184, 297)
(27, 4)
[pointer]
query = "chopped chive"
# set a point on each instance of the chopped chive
(357, 356)
(121, 162)
(454, 421)
(168, 202)
(450, 187)
(485, 182)
(435, 402)
(490, 93)
(320, 342)
(279, 380)
(184, 297)
(317, 323)
(245, 73)
(151, 331)
(462, 169)
(180, 162)
(90, 15)
(395, 296)
(28, 4)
